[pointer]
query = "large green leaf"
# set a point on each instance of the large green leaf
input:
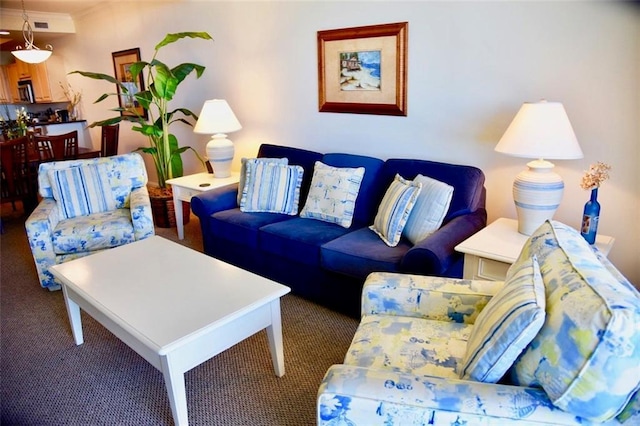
(183, 70)
(176, 159)
(170, 38)
(97, 76)
(164, 82)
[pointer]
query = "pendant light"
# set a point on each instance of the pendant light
(31, 53)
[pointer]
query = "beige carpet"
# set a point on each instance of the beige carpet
(47, 380)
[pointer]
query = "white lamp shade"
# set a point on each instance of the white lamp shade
(216, 117)
(540, 130)
(32, 56)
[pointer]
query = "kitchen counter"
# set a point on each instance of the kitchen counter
(50, 123)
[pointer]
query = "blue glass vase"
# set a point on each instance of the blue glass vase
(590, 218)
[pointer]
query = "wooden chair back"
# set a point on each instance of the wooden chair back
(57, 147)
(109, 141)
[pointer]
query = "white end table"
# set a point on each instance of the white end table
(186, 187)
(489, 253)
(176, 309)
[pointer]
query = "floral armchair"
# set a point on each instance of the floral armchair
(557, 343)
(87, 206)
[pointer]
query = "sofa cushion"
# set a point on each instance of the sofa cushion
(361, 252)
(81, 190)
(271, 187)
(508, 323)
(333, 194)
(240, 227)
(298, 239)
(93, 232)
(417, 346)
(243, 171)
(587, 355)
(429, 210)
(394, 210)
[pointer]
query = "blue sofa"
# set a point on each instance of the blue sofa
(325, 262)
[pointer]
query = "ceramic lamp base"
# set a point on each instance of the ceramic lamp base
(220, 153)
(537, 193)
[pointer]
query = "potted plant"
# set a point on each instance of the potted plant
(163, 146)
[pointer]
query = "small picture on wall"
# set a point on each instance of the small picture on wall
(360, 70)
(129, 85)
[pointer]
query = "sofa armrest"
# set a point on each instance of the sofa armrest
(437, 298)
(436, 253)
(207, 203)
(141, 214)
(39, 226)
(380, 397)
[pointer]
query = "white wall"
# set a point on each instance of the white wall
(471, 66)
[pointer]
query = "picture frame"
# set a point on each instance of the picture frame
(122, 61)
(363, 70)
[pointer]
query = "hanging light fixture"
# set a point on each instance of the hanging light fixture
(31, 53)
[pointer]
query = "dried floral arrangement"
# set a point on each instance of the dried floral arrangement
(596, 174)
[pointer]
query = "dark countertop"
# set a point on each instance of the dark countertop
(50, 123)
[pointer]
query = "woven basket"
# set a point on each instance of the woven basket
(164, 215)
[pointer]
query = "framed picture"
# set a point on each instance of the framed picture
(363, 70)
(122, 62)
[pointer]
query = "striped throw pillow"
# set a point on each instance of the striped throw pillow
(82, 190)
(509, 322)
(271, 187)
(243, 171)
(430, 209)
(394, 210)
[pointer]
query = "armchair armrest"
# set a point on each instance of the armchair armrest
(436, 253)
(381, 397)
(141, 214)
(219, 199)
(39, 226)
(437, 298)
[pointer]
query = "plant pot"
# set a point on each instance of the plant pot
(164, 215)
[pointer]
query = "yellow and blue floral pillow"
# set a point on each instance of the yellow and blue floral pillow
(586, 357)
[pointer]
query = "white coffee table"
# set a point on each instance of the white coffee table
(174, 306)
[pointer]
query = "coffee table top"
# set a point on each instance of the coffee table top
(163, 292)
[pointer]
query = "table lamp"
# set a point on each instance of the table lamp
(217, 119)
(539, 130)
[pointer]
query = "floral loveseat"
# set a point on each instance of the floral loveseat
(87, 206)
(319, 242)
(558, 343)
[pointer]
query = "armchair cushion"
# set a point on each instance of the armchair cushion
(587, 355)
(93, 232)
(82, 190)
(508, 323)
(418, 346)
(394, 210)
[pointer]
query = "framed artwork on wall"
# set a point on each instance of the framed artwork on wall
(363, 70)
(122, 62)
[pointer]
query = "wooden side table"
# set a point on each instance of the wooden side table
(186, 187)
(489, 253)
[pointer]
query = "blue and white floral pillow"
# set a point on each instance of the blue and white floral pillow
(333, 193)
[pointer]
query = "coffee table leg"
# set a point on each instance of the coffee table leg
(73, 311)
(174, 381)
(274, 334)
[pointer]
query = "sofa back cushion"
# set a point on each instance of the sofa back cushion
(587, 355)
(467, 181)
(371, 188)
(125, 172)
